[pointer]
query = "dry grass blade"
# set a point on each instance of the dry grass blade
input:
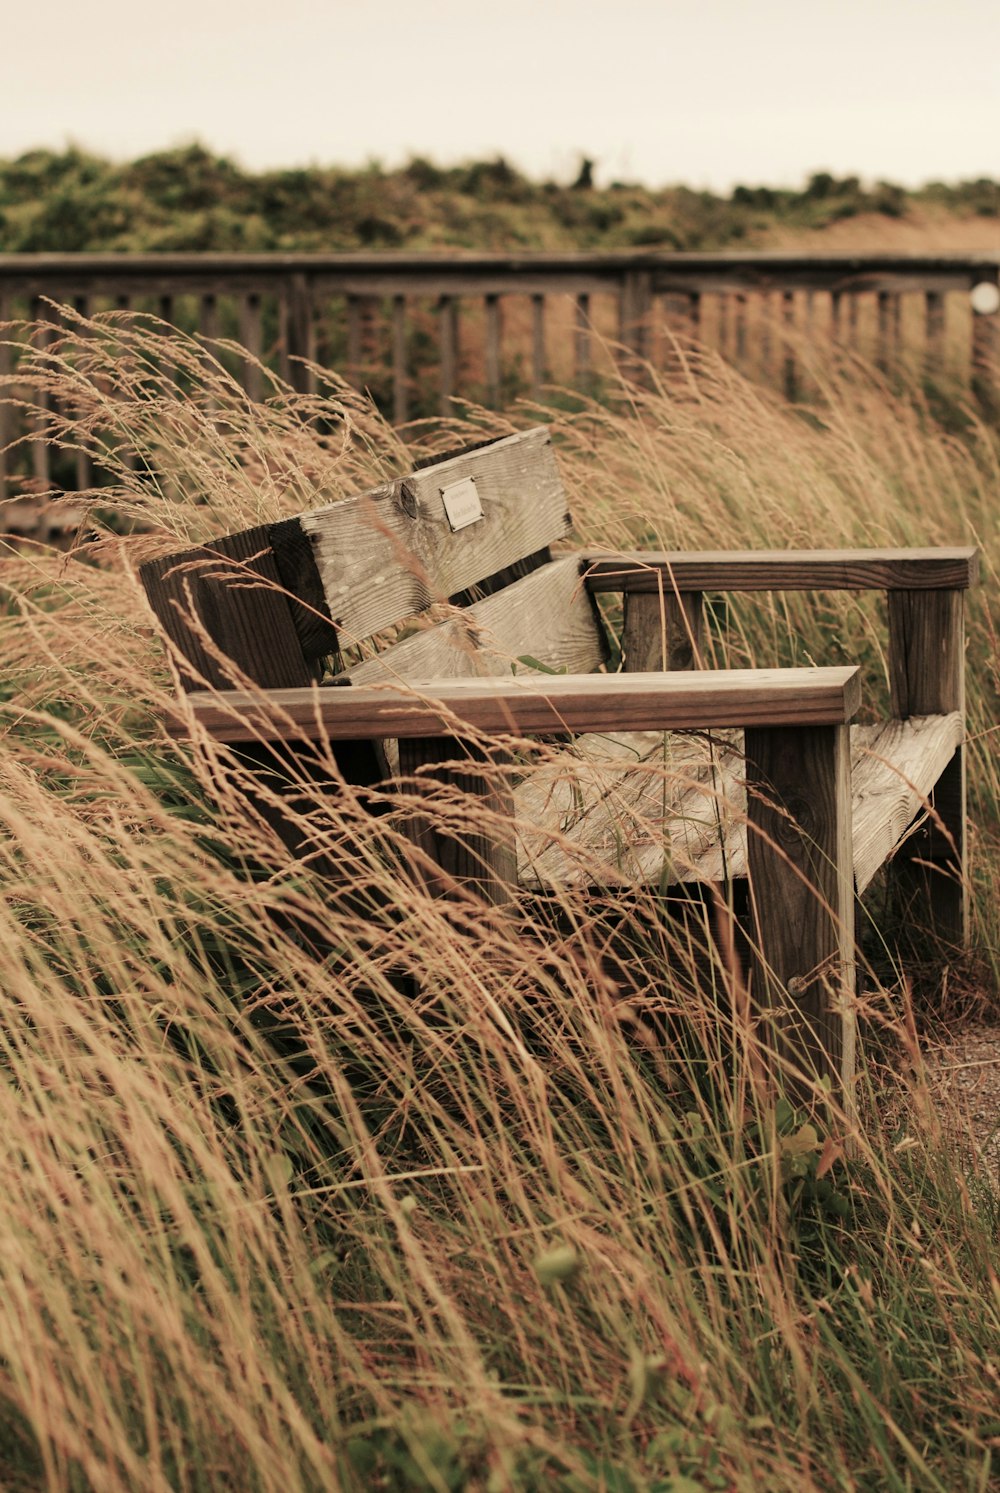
(317, 1186)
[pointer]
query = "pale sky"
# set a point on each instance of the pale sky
(707, 93)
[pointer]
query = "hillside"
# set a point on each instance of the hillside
(191, 199)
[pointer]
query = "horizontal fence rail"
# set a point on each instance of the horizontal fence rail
(419, 331)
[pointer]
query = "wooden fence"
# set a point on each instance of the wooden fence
(419, 330)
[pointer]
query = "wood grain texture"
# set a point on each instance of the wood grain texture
(631, 809)
(802, 896)
(926, 651)
(786, 570)
(226, 602)
(463, 829)
(927, 673)
(663, 631)
(388, 554)
(547, 616)
(535, 704)
(896, 768)
(225, 610)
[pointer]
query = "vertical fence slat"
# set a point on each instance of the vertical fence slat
(84, 474)
(537, 345)
(251, 336)
(933, 332)
(836, 299)
(740, 326)
(301, 334)
(354, 340)
(40, 463)
(882, 349)
(448, 332)
(635, 302)
(581, 340)
(790, 376)
(694, 316)
(493, 335)
(400, 390)
(766, 313)
(722, 324)
(208, 315)
(208, 327)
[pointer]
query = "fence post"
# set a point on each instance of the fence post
(301, 333)
(635, 301)
(985, 297)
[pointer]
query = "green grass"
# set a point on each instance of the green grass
(70, 201)
(275, 1218)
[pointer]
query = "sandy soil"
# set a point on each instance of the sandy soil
(923, 231)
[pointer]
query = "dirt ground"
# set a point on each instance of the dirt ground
(964, 1075)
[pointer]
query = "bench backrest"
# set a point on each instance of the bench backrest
(280, 601)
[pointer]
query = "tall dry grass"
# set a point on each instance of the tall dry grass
(308, 1190)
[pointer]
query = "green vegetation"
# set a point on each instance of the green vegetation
(305, 1191)
(191, 199)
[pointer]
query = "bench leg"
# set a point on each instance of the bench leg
(927, 677)
(802, 896)
(476, 851)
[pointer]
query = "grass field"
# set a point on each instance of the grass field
(268, 1222)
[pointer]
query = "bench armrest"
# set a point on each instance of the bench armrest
(784, 570)
(531, 704)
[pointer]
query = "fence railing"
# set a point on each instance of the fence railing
(421, 330)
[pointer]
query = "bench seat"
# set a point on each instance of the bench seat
(645, 809)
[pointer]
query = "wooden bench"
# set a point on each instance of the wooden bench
(773, 785)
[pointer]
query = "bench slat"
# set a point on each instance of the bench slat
(603, 817)
(547, 616)
(387, 554)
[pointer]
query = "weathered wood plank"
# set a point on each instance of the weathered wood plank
(494, 314)
(225, 609)
(547, 616)
(225, 601)
(802, 896)
(48, 318)
(933, 331)
(388, 554)
(582, 359)
(463, 827)
(786, 570)
(537, 345)
(449, 334)
(789, 375)
(536, 704)
(634, 809)
(400, 372)
(663, 631)
(631, 809)
(927, 674)
(354, 304)
(251, 336)
(895, 766)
